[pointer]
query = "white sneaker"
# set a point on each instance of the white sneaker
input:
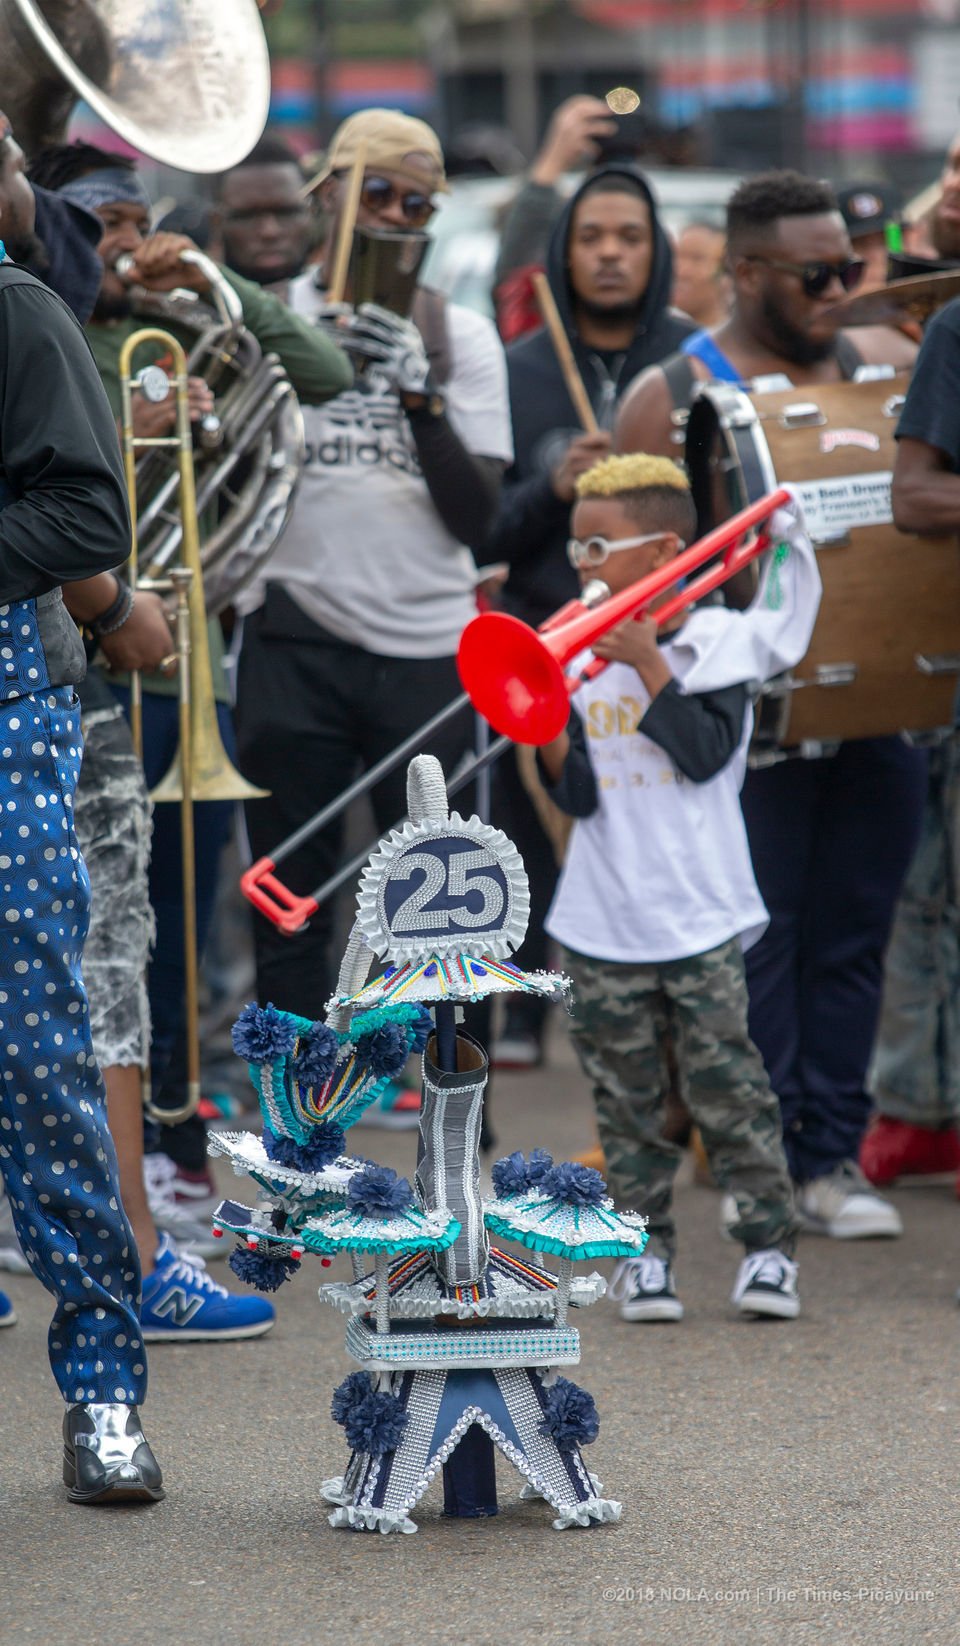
(181, 1208)
(643, 1287)
(729, 1216)
(844, 1206)
(766, 1284)
(11, 1256)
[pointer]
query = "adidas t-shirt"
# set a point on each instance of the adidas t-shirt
(365, 554)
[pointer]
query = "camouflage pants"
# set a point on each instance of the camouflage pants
(622, 1016)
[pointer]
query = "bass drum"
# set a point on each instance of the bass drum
(885, 653)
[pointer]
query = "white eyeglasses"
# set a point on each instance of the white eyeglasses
(594, 551)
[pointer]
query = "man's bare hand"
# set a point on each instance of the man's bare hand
(144, 640)
(154, 418)
(572, 138)
(158, 265)
(581, 454)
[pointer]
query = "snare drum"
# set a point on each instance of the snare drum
(885, 653)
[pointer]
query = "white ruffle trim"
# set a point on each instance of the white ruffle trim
(592, 1509)
(334, 1490)
(373, 1520)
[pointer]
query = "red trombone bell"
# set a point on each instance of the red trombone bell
(514, 675)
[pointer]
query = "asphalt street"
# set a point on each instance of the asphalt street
(780, 1483)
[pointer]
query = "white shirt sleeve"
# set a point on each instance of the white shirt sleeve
(476, 392)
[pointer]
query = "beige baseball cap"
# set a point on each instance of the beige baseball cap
(398, 143)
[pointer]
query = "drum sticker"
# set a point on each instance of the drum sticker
(832, 439)
(833, 507)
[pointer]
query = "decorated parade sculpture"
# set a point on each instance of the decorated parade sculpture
(459, 1342)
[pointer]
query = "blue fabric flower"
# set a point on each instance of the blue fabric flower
(513, 1175)
(574, 1185)
(420, 1029)
(570, 1418)
(325, 1143)
(373, 1420)
(384, 1050)
(261, 1034)
(316, 1056)
(266, 1273)
(348, 1394)
(377, 1191)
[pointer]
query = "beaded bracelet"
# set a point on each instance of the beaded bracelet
(116, 614)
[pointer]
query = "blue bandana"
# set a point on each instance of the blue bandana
(112, 185)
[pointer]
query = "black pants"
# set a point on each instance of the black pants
(515, 813)
(831, 842)
(311, 711)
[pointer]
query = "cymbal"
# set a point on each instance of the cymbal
(889, 305)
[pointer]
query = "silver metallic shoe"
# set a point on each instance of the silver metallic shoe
(106, 1458)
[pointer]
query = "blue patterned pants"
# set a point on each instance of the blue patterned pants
(56, 1155)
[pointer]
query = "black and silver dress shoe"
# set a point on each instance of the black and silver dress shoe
(106, 1458)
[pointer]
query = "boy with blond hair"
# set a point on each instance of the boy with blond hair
(657, 898)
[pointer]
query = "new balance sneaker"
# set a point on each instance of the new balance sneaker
(766, 1284)
(182, 1204)
(892, 1148)
(181, 1303)
(11, 1255)
(8, 1313)
(844, 1206)
(643, 1287)
(397, 1109)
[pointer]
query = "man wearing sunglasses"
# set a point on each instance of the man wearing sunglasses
(351, 631)
(831, 839)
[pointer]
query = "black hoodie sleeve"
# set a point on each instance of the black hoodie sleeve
(526, 231)
(531, 515)
(65, 515)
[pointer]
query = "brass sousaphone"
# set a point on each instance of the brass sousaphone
(187, 83)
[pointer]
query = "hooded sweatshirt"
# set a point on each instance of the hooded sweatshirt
(533, 523)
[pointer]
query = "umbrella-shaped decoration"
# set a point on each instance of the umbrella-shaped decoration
(456, 977)
(566, 1212)
(380, 1217)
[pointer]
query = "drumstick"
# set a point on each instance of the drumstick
(348, 218)
(564, 353)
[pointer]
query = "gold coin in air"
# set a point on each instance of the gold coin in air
(621, 100)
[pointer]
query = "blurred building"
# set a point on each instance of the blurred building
(840, 86)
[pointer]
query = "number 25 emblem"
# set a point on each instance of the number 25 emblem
(443, 888)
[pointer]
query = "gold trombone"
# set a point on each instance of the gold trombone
(202, 769)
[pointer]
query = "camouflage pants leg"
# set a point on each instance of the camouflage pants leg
(729, 1095)
(621, 1015)
(618, 1028)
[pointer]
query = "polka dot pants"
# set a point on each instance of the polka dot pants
(56, 1154)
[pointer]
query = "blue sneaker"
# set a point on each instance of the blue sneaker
(182, 1304)
(8, 1313)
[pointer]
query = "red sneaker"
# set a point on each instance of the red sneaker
(893, 1148)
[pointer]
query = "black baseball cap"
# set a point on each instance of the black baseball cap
(867, 208)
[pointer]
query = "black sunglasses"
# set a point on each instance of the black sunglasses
(816, 277)
(378, 193)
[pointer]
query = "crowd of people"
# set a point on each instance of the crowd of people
(770, 954)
